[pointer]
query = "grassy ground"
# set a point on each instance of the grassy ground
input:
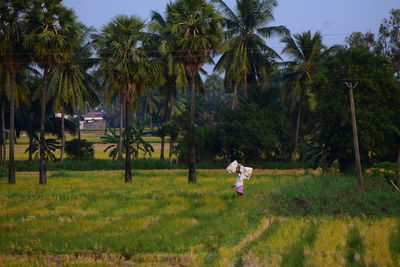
(99, 148)
(160, 220)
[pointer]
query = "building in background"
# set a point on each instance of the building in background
(93, 120)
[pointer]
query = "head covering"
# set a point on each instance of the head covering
(232, 167)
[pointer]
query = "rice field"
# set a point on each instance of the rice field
(94, 218)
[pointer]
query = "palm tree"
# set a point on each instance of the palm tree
(173, 70)
(69, 85)
(149, 105)
(15, 57)
(305, 50)
(53, 35)
(196, 34)
(3, 102)
(125, 64)
(246, 56)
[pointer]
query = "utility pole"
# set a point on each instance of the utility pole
(360, 178)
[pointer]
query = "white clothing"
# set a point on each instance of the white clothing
(245, 173)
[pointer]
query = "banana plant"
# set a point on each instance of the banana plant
(51, 145)
(137, 142)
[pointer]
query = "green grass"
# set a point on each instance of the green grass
(93, 217)
(91, 165)
(335, 195)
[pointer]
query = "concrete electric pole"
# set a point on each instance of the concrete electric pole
(360, 178)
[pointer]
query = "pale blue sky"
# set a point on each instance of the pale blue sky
(335, 19)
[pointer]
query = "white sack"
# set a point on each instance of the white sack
(232, 167)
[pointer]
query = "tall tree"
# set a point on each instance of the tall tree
(196, 34)
(53, 35)
(247, 56)
(125, 64)
(305, 51)
(361, 40)
(15, 58)
(70, 85)
(377, 102)
(173, 70)
(389, 39)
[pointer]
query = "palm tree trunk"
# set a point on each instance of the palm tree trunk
(42, 141)
(171, 150)
(128, 162)
(398, 160)
(11, 163)
(78, 128)
(3, 133)
(121, 125)
(192, 132)
(62, 135)
(235, 91)
(162, 147)
(30, 151)
(296, 137)
(245, 93)
(30, 134)
(105, 128)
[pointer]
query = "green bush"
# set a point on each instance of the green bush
(389, 172)
(208, 145)
(79, 149)
(3, 171)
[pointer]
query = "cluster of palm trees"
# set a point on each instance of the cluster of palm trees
(43, 38)
(132, 58)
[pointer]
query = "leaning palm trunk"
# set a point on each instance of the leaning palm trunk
(192, 132)
(121, 125)
(62, 135)
(11, 163)
(42, 141)
(128, 162)
(3, 133)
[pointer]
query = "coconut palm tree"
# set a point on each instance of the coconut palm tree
(247, 57)
(126, 66)
(196, 34)
(173, 70)
(15, 57)
(70, 86)
(305, 51)
(53, 35)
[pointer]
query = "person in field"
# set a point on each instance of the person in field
(242, 172)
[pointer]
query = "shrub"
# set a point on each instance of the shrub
(79, 149)
(208, 144)
(388, 171)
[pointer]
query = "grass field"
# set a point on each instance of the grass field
(87, 218)
(20, 148)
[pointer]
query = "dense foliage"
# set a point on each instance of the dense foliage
(377, 103)
(254, 107)
(79, 149)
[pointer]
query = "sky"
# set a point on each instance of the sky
(335, 19)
